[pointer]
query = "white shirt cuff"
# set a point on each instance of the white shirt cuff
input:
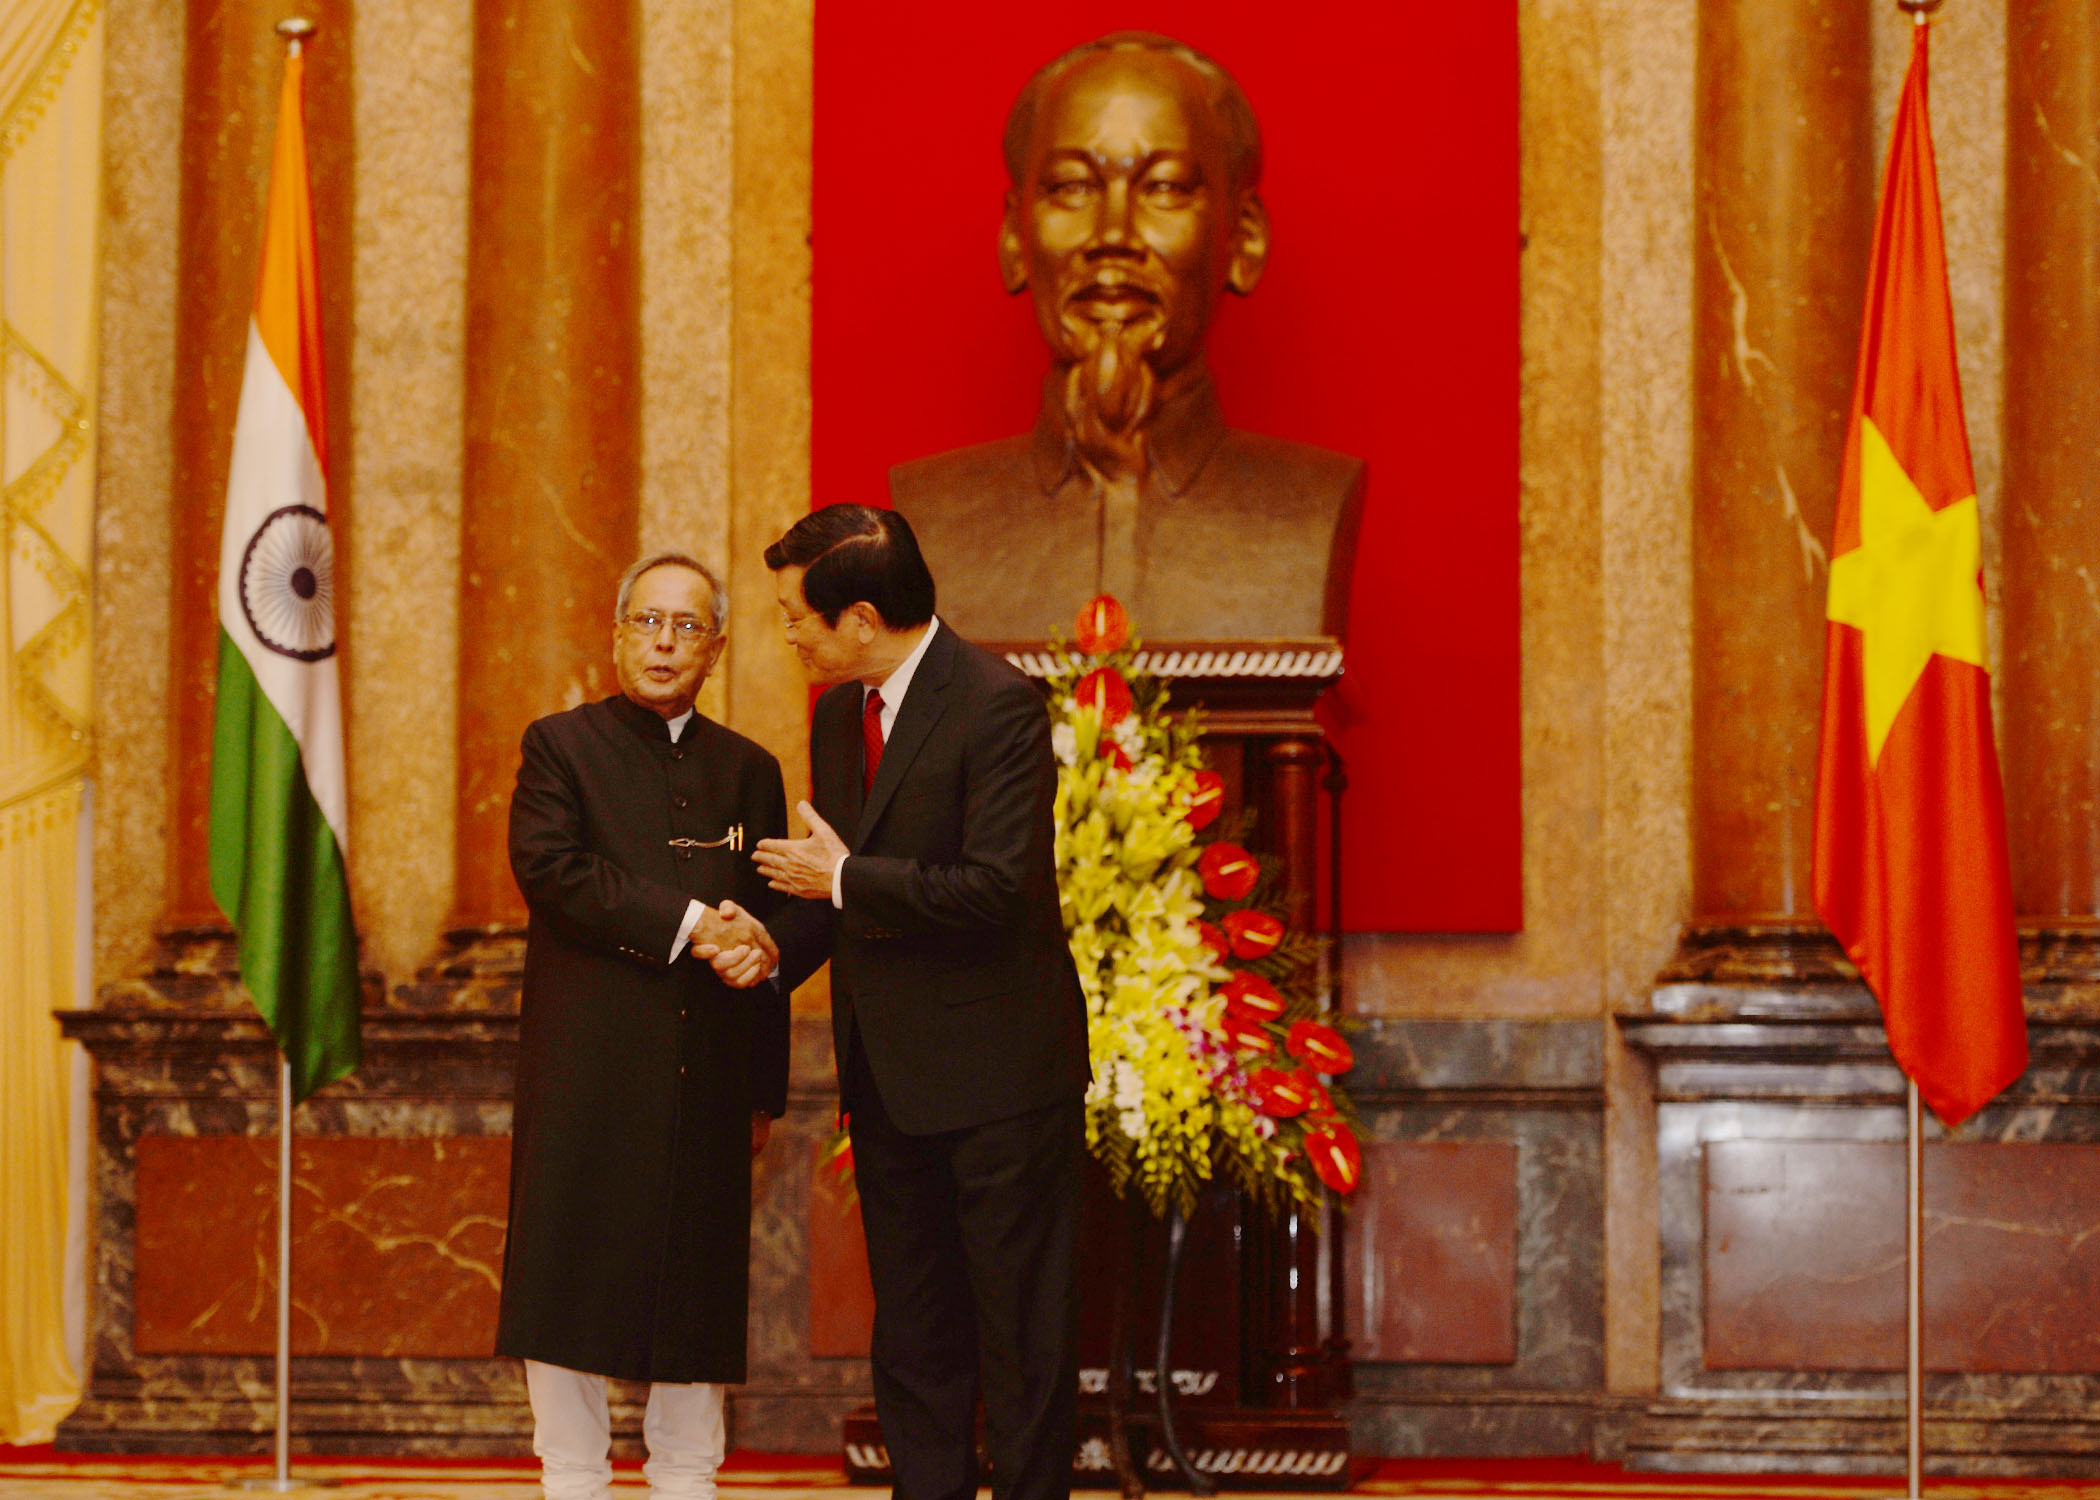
(693, 911)
(838, 884)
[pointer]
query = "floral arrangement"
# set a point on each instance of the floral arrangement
(1207, 1054)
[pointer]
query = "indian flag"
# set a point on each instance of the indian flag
(278, 803)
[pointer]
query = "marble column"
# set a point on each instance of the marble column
(233, 67)
(2050, 690)
(553, 439)
(1783, 224)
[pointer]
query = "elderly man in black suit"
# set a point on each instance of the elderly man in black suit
(652, 1048)
(928, 879)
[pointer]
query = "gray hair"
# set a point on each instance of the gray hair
(673, 560)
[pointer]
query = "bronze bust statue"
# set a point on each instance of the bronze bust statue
(1135, 163)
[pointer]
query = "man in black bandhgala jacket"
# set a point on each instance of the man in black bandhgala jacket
(652, 1051)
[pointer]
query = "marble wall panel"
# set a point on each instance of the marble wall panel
(1533, 1090)
(178, 1073)
(1431, 1251)
(397, 1245)
(1805, 1252)
(1742, 1064)
(841, 1299)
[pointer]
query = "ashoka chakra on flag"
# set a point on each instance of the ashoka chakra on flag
(288, 583)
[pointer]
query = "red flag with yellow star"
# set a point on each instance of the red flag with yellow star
(1910, 863)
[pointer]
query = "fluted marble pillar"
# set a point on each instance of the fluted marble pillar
(233, 67)
(2051, 684)
(553, 436)
(1784, 201)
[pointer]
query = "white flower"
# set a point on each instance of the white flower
(1065, 741)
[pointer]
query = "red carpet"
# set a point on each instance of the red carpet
(35, 1473)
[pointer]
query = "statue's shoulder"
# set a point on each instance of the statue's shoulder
(1275, 460)
(988, 476)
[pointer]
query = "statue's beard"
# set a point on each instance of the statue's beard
(1111, 389)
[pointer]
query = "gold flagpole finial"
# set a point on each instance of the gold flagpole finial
(296, 29)
(1919, 10)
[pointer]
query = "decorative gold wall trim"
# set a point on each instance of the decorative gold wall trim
(28, 106)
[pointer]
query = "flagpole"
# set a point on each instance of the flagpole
(1916, 1298)
(1920, 12)
(295, 30)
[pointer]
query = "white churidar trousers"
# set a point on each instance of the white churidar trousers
(572, 1436)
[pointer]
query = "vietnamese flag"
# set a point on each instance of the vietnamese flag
(1910, 862)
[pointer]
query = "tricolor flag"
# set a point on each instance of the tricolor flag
(277, 790)
(1910, 863)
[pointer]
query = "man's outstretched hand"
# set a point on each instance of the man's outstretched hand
(735, 945)
(802, 867)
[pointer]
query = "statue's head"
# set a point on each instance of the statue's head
(1135, 164)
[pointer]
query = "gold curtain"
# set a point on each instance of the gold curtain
(50, 158)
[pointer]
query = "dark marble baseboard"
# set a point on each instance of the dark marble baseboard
(206, 1404)
(1473, 1424)
(1855, 1437)
(444, 1409)
(775, 1418)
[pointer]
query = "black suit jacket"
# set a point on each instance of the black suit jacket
(638, 1070)
(949, 964)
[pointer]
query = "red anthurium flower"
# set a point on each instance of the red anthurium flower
(1104, 626)
(1254, 934)
(1319, 1047)
(1228, 872)
(1322, 1101)
(1336, 1158)
(1252, 996)
(1214, 938)
(1279, 1093)
(1243, 1034)
(1115, 755)
(1105, 689)
(1206, 800)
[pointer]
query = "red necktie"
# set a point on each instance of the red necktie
(870, 740)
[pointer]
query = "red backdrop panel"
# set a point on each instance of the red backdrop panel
(1386, 326)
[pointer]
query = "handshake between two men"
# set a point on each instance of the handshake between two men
(734, 943)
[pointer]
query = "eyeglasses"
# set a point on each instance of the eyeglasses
(690, 629)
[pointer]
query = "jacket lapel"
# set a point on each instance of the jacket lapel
(924, 703)
(834, 757)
